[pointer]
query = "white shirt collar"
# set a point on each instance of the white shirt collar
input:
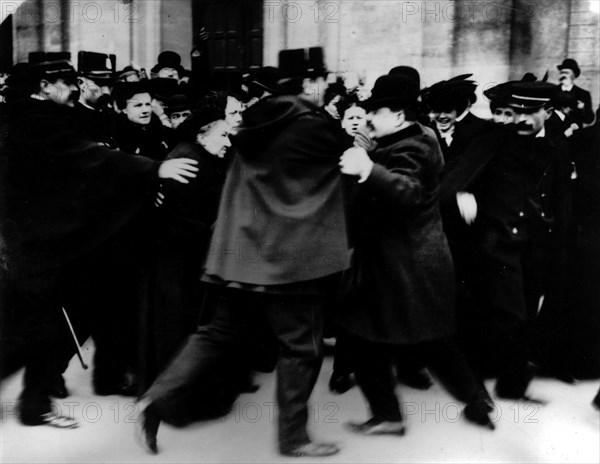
(81, 102)
(560, 114)
(448, 136)
(541, 133)
(35, 96)
(567, 88)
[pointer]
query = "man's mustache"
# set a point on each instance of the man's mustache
(523, 126)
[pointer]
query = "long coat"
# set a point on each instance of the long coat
(187, 213)
(405, 281)
(281, 218)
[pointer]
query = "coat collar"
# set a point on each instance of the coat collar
(396, 137)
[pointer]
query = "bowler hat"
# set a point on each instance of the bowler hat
(392, 91)
(407, 72)
(178, 103)
(97, 66)
(169, 59)
(571, 64)
(531, 96)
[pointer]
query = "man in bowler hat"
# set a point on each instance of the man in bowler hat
(404, 296)
(569, 72)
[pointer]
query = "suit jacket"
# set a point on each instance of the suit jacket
(405, 291)
(585, 115)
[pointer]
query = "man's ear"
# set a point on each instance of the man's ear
(548, 112)
(45, 85)
(400, 118)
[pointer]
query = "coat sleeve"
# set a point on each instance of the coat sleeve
(400, 179)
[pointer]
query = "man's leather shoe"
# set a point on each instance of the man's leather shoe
(50, 418)
(146, 429)
(477, 413)
(312, 449)
(340, 383)
(377, 427)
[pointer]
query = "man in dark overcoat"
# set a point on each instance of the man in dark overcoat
(569, 72)
(65, 197)
(404, 296)
(512, 187)
(278, 241)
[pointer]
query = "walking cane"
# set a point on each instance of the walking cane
(79, 355)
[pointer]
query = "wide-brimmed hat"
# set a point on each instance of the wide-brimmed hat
(531, 96)
(392, 91)
(451, 94)
(99, 67)
(571, 64)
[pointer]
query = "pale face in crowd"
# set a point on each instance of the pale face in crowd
(503, 115)
(170, 73)
(233, 112)
(178, 117)
(354, 119)
(90, 91)
(139, 109)
(60, 92)
(313, 90)
(384, 121)
(531, 122)
(214, 138)
(444, 120)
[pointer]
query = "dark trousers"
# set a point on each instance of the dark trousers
(514, 280)
(33, 331)
(297, 323)
(374, 375)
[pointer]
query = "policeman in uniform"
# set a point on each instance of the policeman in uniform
(512, 188)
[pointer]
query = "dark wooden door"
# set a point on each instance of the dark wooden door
(235, 31)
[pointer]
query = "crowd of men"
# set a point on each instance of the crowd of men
(197, 235)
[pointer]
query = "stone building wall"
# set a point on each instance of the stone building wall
(496, 40)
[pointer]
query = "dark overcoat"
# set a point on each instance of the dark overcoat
(65, 194)
(405, 278)
(281, 217)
